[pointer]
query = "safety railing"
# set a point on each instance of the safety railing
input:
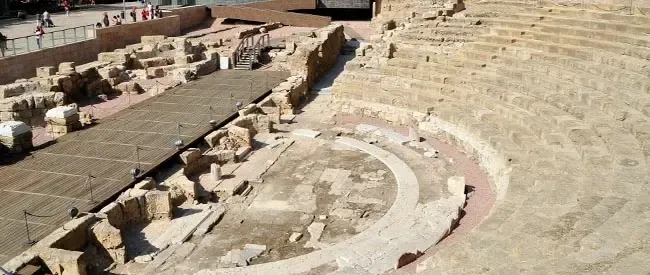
(244, 44)
(263, 41)
(34, 42)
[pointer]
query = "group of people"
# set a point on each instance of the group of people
(147, 13)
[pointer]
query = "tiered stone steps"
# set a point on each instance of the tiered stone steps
(563, 97)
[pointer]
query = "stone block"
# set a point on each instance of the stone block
(61, 112)
(67, 67)
(114, 215)
(212, 139)
(241, 135)
(187, 186)
(158, 205)
(146, 184)
(203, 67)
(64, 262)
(190, 155)
(132, 209)
(220, 156)
(122, 58)
(154, 62)
(242, 153)
(45, 71)
(130, 87)
(183, 59)
(110, 240)
(13, 128)
(295, 236)
(456, 185)
(183, 75)
(16, 89)
(215, 171)
(152, 39)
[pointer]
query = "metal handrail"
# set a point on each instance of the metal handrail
(262, 42)
(245, 43)
(34, 42)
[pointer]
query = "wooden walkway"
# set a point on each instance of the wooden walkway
(51, 180)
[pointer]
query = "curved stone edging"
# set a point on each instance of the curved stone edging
(406, 227)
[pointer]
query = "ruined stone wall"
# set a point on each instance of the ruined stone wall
(24, 65)
(107, 39)
(191, 16)
(312, 54)
(284, 5)
(116, 37)
(265, 15)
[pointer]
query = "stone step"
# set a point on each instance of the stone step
(617, 93)
(629, 79)
(622, 62)
(591, 14)
(619, 37)
(585, 23)
(613, 47)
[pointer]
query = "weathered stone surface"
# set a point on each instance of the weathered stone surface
(16, 89)
(132, 209)
(215, 171)
(61, 112)
(306, 133)
(146, 184)
(110, 240)
(212, 139)
(64, 262)
(295, 236)
(241, 135)
(45, 71)
(154, 62)
(190, 155)
(152, 39)
(130, 87)
(158, 205)
(456, 185)
(114, 214)
(13, 128)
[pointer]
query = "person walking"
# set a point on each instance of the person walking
(144, 14)
(3, 44)
(39, 36)
(134, 14)
(106, 21)
(48, 19)
(66, 6)
(150, 10)
(39, 20)
(158, 12)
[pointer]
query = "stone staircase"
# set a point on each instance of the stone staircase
(561, 96)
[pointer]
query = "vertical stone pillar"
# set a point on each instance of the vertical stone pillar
(62, 120)
(16, 136)
(215, 171)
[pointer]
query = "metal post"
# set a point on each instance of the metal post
(85, 33)
(90, 186)
(75, 34)
(13, 46)
(52, 35)
(64, 40)
(137, 155)
(29, 239)
(27, 43)
(179, 132)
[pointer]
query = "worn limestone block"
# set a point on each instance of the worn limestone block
(241, 135)
(456, 185)
(183, 75)
(110, 71)
(130, 87)
(132, 209)
(183, 59)
(190, 155)
(204, 67)
(183, 44)
(215, 171)
(73, 235)
(155, 62)
(242, 153)
(188, 187)
(146, 184)
(62, 112)
(114, 214)
(122, 58)
(67, 67)
(152, 39)
(219, 156)
(15, 89)
(15, 136)
(158, 205)
(143, 54)
(110, 240)
(64, 262)
(45, 71)
(212, 139)
(156, 72)
(13, 128)
(210, 55)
